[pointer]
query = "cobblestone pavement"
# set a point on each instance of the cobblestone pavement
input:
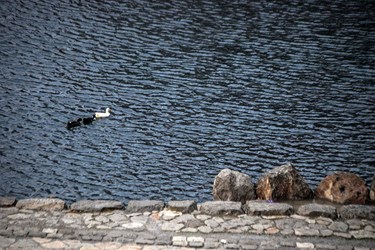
(119, 229)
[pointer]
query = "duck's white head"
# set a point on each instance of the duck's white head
(107, 110)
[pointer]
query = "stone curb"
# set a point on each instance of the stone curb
(212, 208)
(227, 227)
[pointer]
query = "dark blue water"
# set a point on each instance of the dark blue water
(195, 87)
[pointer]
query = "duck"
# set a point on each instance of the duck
(74, 124)
(102, 115)
(88, 120)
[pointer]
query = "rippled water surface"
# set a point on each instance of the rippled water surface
(195, 87)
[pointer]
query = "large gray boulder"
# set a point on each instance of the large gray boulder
(46, 204)
(343, 188)
(283, 183)
(232, 185)
(95, 205)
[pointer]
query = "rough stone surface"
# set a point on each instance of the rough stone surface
(7, 201)
(267, 208)
(338, 226)
(283, 183)
(357, 212)
(372, 189)
(95, 205)
(305, 245)
(232, 185)
(140, 206)
(343, 188)
(317, 210)
(47, 204)
(221, 208)
(187, 206)
(118, 229)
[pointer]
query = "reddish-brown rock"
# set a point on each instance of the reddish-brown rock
(343, 188)
(283, 183)
(232, 185)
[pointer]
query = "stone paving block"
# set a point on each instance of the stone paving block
(195, 241)
(305, 245)
(169, 214)
(357, 212)
(316, 210)
(231, 246)
(140, 206)
(46, 204)
(35, 232)
(266, 208)
(338, 226)
(180, 241)
(343, 235)
(171, 226)
(95, 205)
(362, 234)
(6, 211)
(270, 244)
(7, 201)
(221, 208)
(286, 243)
(26, 243)
(19, 232)
(326, 232)
(211, 245)
(306, 232)
(205, 229)
(344, 247)
(6, 242)
(163, 240)
(249, 247)
(144, 241)
(186, 206)
(6, 232)
(325, 246)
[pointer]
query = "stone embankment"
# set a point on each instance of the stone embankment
(50, 224)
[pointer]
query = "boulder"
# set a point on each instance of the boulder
(141, 206)
(357, 212)
(317, 210)
(232, 185)
(283, 183)
(221, 208)
(265, 208)
(343, 188)
(46, 204)
(187, 206)
(95, 205)
(372, 189)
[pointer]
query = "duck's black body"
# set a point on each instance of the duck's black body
(74, 124)
(89, 120)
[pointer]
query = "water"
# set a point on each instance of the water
(195, 87)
